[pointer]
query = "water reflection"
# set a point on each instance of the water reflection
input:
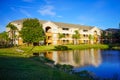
(104, 63)
(76, 58)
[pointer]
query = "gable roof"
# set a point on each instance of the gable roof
(60, 24)
(73, 25)
(22, 20)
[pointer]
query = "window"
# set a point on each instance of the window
(84, 35)
(48, 29)
(65, 28)
(85, 41)
(67, 35)
(49, 37)
(95, 32)
(85, 30)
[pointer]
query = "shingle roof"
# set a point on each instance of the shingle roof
(60, 24)
(21, 21)
(18, 21)
(73, 25)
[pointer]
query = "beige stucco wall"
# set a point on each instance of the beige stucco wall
(95, 29)
(54, 28)
(58, 29)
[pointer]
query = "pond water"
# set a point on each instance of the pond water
(103, 63)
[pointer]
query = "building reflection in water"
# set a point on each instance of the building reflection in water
(76, 58)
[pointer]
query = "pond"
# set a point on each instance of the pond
(103, 63)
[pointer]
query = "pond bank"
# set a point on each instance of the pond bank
(24, 67)
(73, 47)
(27, 68)
(114, 46)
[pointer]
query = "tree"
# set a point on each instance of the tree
(4, 38)
(60, 37)
(3, 35)
(76, 36)
(12, 31)
(116, 37)
(32, 31)
(91, 37)
(109, 36)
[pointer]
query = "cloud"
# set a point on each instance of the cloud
(25, 12)
(28, 0)
(1, 26)
(60, 16)
(47, 10)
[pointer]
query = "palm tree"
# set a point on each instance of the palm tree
(76, 36)
(103, 37)
(60, 37)
(91, 37)
(109, 36)
(12, 30)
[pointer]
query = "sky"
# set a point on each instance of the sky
(100, 13)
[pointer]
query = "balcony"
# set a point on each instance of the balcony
(48, 34)
(49, 41)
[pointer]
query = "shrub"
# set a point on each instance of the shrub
(64, 67)
(60, 47)
(86, 73)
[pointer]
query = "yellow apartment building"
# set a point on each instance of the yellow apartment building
(88, 34)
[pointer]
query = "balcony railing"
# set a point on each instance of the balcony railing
(49, 41)
(48, 34)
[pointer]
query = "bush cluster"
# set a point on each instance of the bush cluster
(64, 67)
(60, 47)
(43, 59)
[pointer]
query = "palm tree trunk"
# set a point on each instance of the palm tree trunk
(12, 36)
(76, 41)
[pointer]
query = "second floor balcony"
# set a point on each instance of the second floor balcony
(48, 34)
(49, 41)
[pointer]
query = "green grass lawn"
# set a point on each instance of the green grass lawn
(16, 66)
(87, 46)
(48, 48)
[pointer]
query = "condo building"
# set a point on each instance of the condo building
(53, 30)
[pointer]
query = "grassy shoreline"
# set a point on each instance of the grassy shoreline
(72, 47)
(15, 65)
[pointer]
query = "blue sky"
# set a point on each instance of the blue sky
(101, 13)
